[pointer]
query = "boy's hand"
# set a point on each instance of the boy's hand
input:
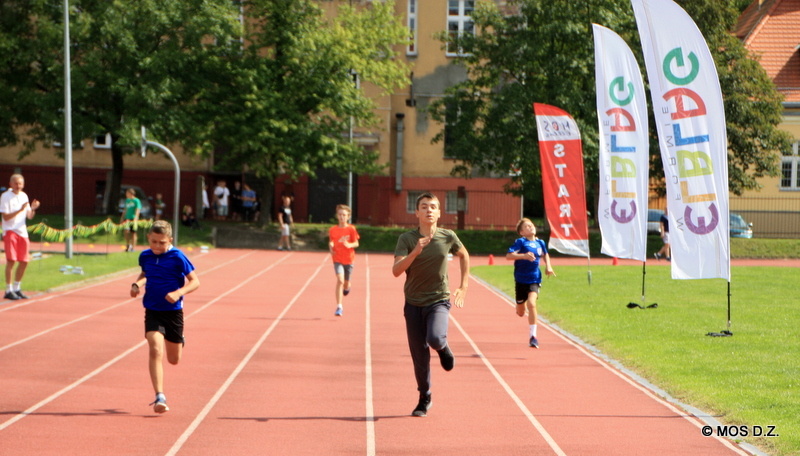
(173, 296)
(134, 290)
(423, 242)
(458, 296)
(550, 272)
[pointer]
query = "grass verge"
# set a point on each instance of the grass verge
(748, 379)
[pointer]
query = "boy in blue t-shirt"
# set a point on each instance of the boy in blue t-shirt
(527, 252)
(169, 276)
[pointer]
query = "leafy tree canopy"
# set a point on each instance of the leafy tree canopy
(273, 91)
(539, 51)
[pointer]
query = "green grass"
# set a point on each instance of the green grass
(748, 379)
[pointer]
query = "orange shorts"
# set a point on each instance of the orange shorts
(17, 247)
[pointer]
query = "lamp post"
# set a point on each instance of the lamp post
(176, 222)
(67, 136)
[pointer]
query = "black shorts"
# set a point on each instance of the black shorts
(167, 322)
(522, 289)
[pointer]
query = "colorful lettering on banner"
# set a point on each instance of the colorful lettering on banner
(624, 147)
(690, 116)
(562, 180)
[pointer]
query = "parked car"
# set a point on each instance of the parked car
(740, 228)
(147, 210)
(654, 221)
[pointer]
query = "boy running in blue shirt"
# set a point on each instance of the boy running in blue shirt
(527, 252)
(169, 276)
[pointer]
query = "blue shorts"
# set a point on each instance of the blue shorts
(346, 269)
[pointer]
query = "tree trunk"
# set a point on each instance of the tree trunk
(114, 185)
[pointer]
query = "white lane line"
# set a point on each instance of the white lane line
(87, 316)
(221, 391)
(647, 391)
(113, 361)
(536, 424)
(370, 412)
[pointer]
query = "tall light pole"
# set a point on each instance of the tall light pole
(354, 75)
(67, 136)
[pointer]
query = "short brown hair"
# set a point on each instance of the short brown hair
(161, 227)
(523, 220)
(343, 207)
(427, 195)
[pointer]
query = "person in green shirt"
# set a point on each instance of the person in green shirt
(422, 254)
(133, 207)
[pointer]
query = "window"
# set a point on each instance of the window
(412, 27)
(459, 21)
(451, 202)
(411, 201)
(102, 141)
(790, 169)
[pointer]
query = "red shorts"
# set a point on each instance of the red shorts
(17, 247)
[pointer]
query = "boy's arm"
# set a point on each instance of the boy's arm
(401, 263)
(137, 285)
(192, 283)
(548, 268)
(461, 292)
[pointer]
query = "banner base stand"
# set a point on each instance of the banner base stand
(723, 333)
(633, 305)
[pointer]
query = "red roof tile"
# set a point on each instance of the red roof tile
(771, 30)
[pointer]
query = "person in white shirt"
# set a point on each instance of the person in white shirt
(16, 209)
(221, 196)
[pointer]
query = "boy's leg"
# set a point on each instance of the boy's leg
(420, 354)
(437, 317)
(339, 288)
(533, 296)
(155, 340)
(174, 351)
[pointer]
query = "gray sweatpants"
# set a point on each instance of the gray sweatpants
(426, 328)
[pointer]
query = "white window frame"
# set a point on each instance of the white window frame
(411, 22)
(792, 162)
(459, 21)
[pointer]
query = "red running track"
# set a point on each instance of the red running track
(269, 370)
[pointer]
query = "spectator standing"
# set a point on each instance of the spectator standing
(160, 206)
(130, 213)
(248, 202)
(16, 209)
(221, 200)
(286, 222)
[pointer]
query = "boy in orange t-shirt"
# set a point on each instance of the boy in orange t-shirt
(342, 241)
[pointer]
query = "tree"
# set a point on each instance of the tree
(537, 51)
(273, 92)
(287, 108)
(133, 63)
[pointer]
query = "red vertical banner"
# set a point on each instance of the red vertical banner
(563, 184)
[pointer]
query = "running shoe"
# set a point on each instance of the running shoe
(338, 312)
(160, 404)
(346, 292)
(446, 358)
(21, 295)
(11, 295)
(423, 406)
(534, 342)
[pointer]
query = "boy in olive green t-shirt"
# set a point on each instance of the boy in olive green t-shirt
(422, 255)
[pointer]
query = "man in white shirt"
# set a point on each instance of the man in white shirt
(15, 208)
(221, 195)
